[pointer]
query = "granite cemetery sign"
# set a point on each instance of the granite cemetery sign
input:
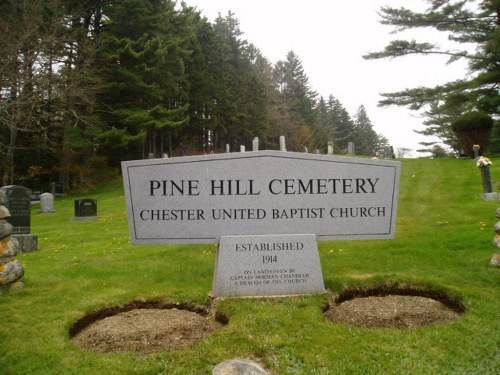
(261, 201)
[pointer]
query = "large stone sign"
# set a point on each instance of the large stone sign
(198, 199)
(267, 210)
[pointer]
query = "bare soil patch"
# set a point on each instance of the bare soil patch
(393, 306)
(155, 326)
(145, 327)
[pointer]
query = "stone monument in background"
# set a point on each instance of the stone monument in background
(85, 209)
(47, 203)
(18, 202)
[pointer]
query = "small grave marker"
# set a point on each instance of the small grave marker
(85, 209)
(351, 148)
(47, 203)
(57, 189)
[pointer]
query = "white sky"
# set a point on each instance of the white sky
(330, 37)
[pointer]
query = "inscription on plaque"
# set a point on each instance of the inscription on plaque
(268, 265)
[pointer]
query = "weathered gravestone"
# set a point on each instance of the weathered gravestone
(85, 209)
(266, 209)
(351, 148)
(18, 202)
(47, 203)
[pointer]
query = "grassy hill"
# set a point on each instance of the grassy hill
(444, 241)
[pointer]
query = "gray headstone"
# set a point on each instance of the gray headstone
(47, 203)
(255, 144)
(18, 202)
(330, 148)
(351, 148)
(282, 143)
(268, 266)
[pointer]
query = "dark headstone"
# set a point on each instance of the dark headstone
(18, 202)
(57, 189)
(85, 209)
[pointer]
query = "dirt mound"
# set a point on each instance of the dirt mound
(145, 327)
(393, 306)
(153, 326)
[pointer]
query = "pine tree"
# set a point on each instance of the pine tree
(297, 103)
(340, 124)
(365, 138)
(144, 92)
(465, 22)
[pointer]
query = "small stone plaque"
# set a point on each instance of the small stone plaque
(268, 265)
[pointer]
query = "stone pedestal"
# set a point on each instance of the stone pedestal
(27, 242)
(490, 196)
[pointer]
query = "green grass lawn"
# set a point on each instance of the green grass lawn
(444, 241)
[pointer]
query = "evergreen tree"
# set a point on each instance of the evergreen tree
(297, 107)
(365, 138)
(144, 92)
(340, 124)
(465, 22)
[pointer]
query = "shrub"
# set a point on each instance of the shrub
(473, 128)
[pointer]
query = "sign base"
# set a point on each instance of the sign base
(267, 265)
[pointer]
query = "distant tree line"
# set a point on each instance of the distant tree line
(85, 84)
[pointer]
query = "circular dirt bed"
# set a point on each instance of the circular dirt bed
(145, 327)
(393, 306)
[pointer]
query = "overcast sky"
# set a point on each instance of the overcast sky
(330, 37)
